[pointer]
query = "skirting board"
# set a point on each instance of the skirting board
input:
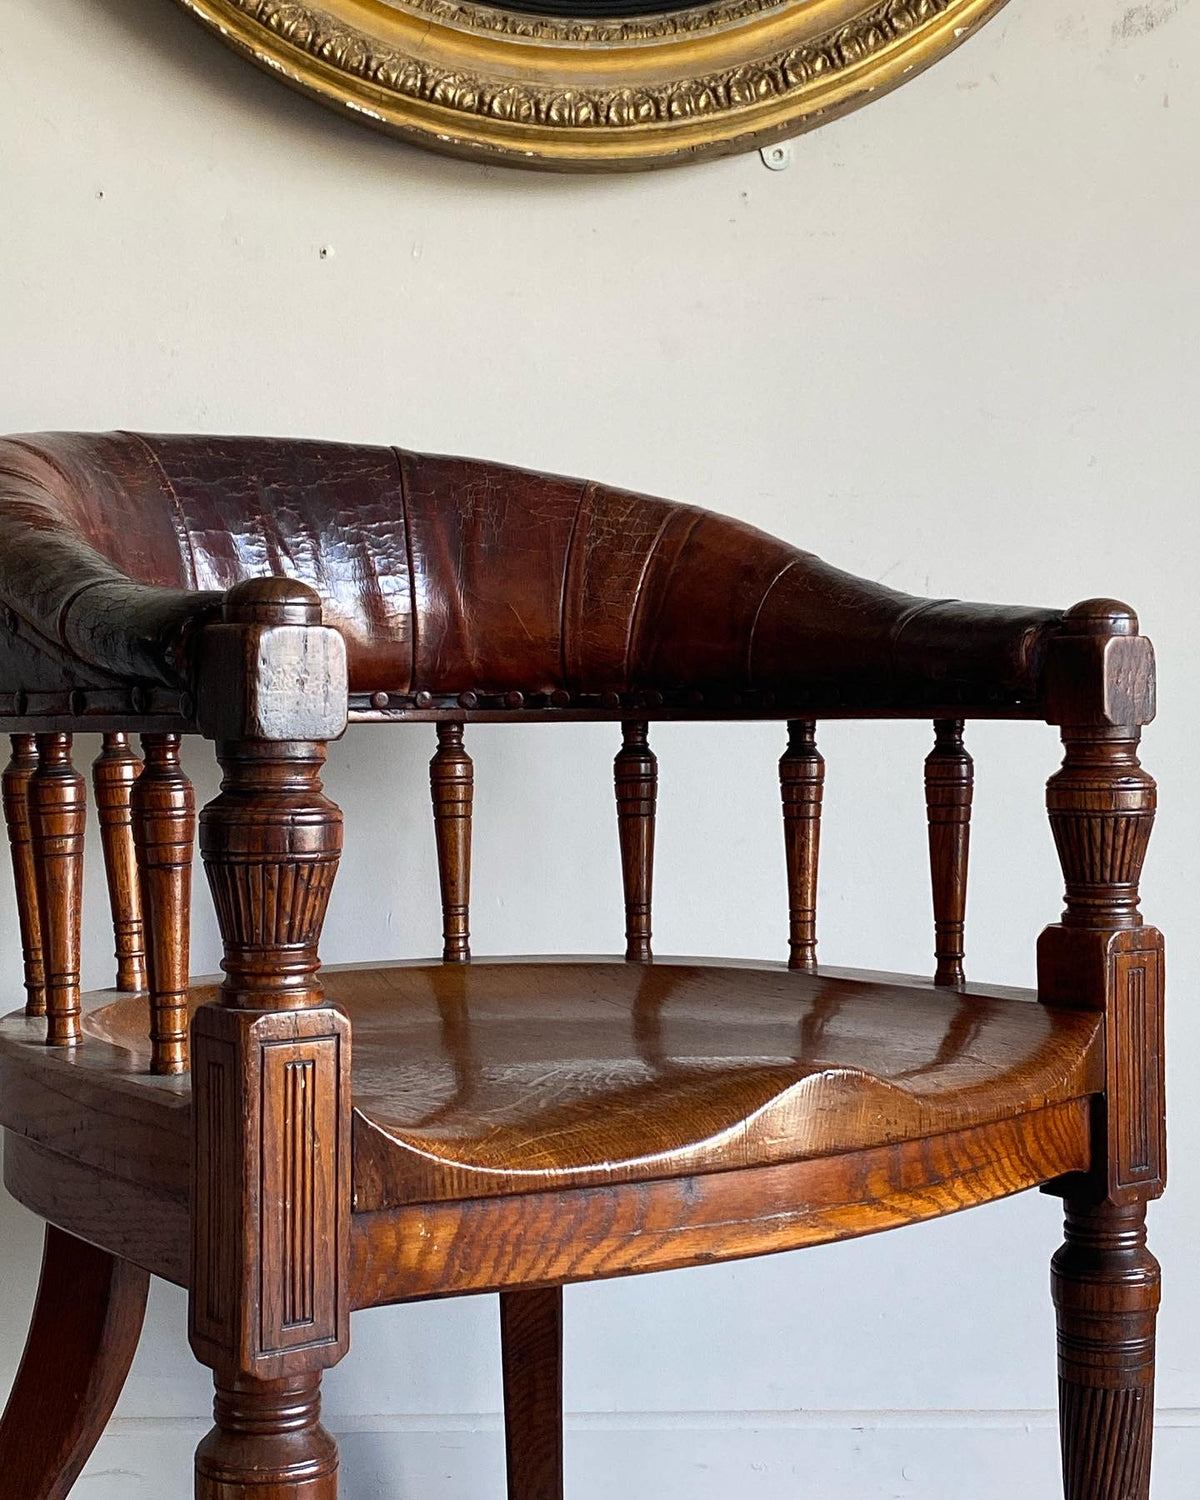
(688, 1456)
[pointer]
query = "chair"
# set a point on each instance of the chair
(292, 1144)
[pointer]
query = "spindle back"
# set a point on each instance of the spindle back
(260, 591)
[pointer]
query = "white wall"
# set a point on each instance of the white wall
(954, 346)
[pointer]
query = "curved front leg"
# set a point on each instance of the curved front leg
(85, 1328)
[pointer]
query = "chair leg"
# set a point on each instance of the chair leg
(268, 1442)
(531, 1347)
(81, 1342)
(1106, 1289)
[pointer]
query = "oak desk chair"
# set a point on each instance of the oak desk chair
(512, 1125)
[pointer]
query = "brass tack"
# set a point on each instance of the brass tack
(379, 700)
(559, 698)
(468, 699)
(514, 699)
(610, 699)
(423, 700)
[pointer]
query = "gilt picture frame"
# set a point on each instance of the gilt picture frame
(597, 85)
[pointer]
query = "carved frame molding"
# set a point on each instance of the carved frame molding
(574, 94)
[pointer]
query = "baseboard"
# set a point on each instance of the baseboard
(675, 1456)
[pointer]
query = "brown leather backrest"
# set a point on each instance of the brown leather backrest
(447, 574)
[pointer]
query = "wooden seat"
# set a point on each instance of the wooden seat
(291, 1144)
(515, 1075)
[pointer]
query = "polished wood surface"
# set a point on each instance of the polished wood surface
(515, 1125)
(271, 1188)
(114, 773)
(949, 786)
(519, 1075)
(531, 1347)
(452, 786)
(57, 813)
(1106, 1293)
(81, 1343)
(17, 773)
(635, 778)
(802, 786)
(586, 1234)
(164, 819)
(1103, 958)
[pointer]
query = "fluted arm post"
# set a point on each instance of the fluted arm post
(1102, 956)
(271, 1217)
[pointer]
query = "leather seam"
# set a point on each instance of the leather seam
(183, 534)
(762, 604)
(414, 624)
(588, 488)
(635, 614)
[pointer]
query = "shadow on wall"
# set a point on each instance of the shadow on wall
(183, 48)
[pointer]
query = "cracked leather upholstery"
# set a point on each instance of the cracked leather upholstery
(448, 575)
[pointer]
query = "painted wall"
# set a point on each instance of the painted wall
(954, 346)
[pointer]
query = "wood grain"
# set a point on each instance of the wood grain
(164, 818)
(17, 774)
(57, 812)
(267, 1443)
(802, 784)
(516, 1125)
(452, 786)
(1101, 956)
(147, 1227)
(635, 775)
(531, 1345)
(949, 785)
(1106, 1295)
(114, 773)
(85, 1329)
(540, 1239)
(513, 1076)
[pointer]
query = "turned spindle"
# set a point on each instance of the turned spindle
(57, 811)
(452, 785)
(164, 823)
(635, 776)
(802, 783)
(16, 780)
(114, 772)
(949, 783)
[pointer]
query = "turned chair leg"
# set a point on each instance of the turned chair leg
(81, 1342)
(531, 1348)
(1106, 1290)
(267, 1442)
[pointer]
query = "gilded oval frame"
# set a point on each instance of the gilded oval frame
(594, 94)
